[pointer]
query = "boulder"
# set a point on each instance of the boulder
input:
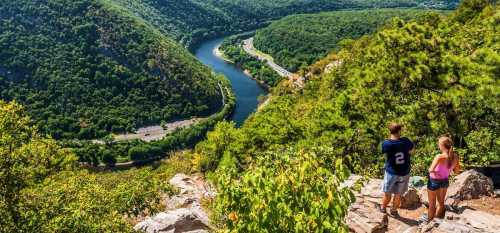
(365, 218)
(351, 181)
(193, 185)
(469, 185)
(192, 189)
(469, 221)
(184, 212)
(176, 221)
(411, 199)
(466, 186)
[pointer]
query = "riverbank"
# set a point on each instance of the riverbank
(250, 49)
(140, 152)
(246, 89)
(157, 132)
(220, 54)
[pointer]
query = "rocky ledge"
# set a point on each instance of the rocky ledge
(461, 215)
(184, 213)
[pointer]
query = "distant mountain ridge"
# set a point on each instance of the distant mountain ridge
(191, 21)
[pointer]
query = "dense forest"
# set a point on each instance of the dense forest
(258, 70)
(110, 152)
(89, 67)
(191, 21)
(298, 41)
(435, 74)
(85, 68)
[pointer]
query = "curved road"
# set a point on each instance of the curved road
(250, 49)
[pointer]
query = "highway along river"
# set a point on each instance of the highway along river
(246, 89)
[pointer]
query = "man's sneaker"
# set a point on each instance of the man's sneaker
(380, 209)
(394, 212)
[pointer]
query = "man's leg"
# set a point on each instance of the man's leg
(396, 203)
(401, 187)
(386, 200)
(389, 182)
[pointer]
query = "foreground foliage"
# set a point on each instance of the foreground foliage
(42, 190)
(285, 191)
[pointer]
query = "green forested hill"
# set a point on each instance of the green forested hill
(89, 66)
(298, 41)
(437, 75)
(185, 20)
(190, 21)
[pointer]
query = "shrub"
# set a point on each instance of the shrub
(286, 191)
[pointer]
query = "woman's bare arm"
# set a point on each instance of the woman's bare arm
(434, 164)
(457, 168)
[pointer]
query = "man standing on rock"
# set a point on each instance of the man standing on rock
(397, 168)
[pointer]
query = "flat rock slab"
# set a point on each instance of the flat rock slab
(184, 213)
(364, 217)
(179, 220)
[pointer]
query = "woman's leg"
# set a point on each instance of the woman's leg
(441, 196)
(431, 211)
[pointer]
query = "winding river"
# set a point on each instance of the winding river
(246, 89)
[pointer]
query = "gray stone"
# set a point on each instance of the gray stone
(175, 221)
(351, 181)
(469, 185)
(469, 221)
(466, 186)
(364, 218)
(184, 212)
(411, 199)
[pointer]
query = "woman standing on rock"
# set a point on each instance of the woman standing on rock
(439, 173)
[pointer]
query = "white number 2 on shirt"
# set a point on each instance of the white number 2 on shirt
(400, 158)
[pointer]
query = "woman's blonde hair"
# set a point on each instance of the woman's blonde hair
(447, 143)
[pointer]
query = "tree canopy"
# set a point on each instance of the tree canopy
(298, 41)
(86, 68)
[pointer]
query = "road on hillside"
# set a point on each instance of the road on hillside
(157, 132)
(250, 49)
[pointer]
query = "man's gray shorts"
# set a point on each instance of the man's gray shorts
(395, 184)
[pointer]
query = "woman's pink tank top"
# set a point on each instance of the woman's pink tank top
(441, 172)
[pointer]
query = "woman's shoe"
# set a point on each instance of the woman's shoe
(423, 219)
